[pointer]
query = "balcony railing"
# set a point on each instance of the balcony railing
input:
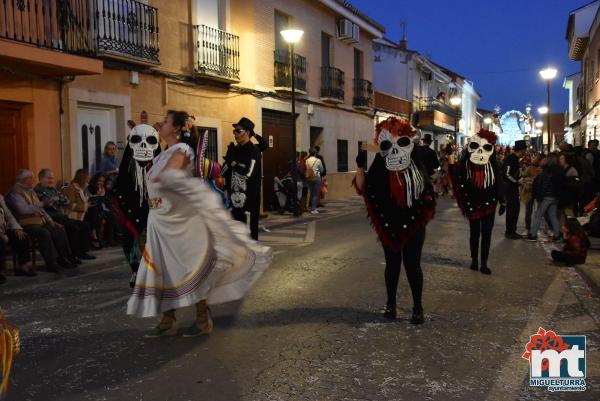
(218, 53)
(122, 28)
(283, 77)
(127, 28)
(332, 84)
(363, 94)
(429, 103)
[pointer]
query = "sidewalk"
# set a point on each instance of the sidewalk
(330, 209)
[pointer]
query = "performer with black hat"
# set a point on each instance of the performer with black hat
(512, 179)
(244, 161)
(477, 187)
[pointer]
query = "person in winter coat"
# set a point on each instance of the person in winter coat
(546, 190)
(572, 190)
(527, 198)
(576, 244)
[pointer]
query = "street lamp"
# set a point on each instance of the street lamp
(548, 75)
(292, 36)
(456, 101)
(487, 121)
(543, 110)
(539, 124)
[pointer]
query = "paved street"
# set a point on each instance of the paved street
(311, 328)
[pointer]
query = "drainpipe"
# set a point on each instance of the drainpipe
(61, 111)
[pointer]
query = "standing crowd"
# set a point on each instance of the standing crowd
(560, 189)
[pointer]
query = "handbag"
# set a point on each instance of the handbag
(309, 173)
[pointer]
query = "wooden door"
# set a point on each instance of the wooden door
(276, 159)
(13, 143)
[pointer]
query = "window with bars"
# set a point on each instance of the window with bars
(342, 155)
(212, 144)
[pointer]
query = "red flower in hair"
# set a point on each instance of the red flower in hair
(490, 136)
(395, 126)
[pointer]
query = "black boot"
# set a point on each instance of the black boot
(390, 311)
(474, 264)
(417, 317)
(485, 269)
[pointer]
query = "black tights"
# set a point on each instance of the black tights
(481, 228)
(411, 255)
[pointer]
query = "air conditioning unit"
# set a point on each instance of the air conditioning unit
(345, 30)
(355, 33)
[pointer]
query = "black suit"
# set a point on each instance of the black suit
(512, 175)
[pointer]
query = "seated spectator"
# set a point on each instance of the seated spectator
(55, 202)
(109, 165)
(11, 231)
(75, 194)
(100, 215)
(576, 244)
(30, 213)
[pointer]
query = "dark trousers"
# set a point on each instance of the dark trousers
(240, 215)
(481, 228)
(529, 213)
(411, 255)
(18, 246)
(513, 207)
(562, 257)
(78, 232)
(53, 242)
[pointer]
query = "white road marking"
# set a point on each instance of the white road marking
(111, 302)
(311, 231)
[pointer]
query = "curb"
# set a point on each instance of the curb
(593, 282)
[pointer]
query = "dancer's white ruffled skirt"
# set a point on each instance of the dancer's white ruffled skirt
(194, 250)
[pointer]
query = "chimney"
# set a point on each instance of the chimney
(403, 43)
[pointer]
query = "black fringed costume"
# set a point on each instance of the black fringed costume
(399, 203)
(131, 208)
(478, 189)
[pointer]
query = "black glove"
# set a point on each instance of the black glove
(502, 209)
(361, 159)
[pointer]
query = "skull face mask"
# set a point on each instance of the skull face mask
(480, 150)
(143, 140)
(395, 150)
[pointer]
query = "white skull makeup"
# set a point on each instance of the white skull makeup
(395, 150)
(480, 150)
(143, 140)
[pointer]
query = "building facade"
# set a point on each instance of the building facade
(216, 59)
(429, 87)
(583, 37)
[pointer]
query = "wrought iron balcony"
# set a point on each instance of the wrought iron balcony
(125, 29)
(218, 54)
(283, 79)
(332, 84)
(363, 94)
(54, 24)
(429, 104)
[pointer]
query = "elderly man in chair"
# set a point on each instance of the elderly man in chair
(37, 223)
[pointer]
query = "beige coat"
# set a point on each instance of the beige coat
(78, 201)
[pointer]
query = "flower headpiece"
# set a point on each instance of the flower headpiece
(187, 128)
(490, 136)
(395, 126)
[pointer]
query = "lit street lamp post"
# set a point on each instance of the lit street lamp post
(548, 75)
(292, 36)
(456, 101)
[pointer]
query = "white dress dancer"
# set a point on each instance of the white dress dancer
(195, 252)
